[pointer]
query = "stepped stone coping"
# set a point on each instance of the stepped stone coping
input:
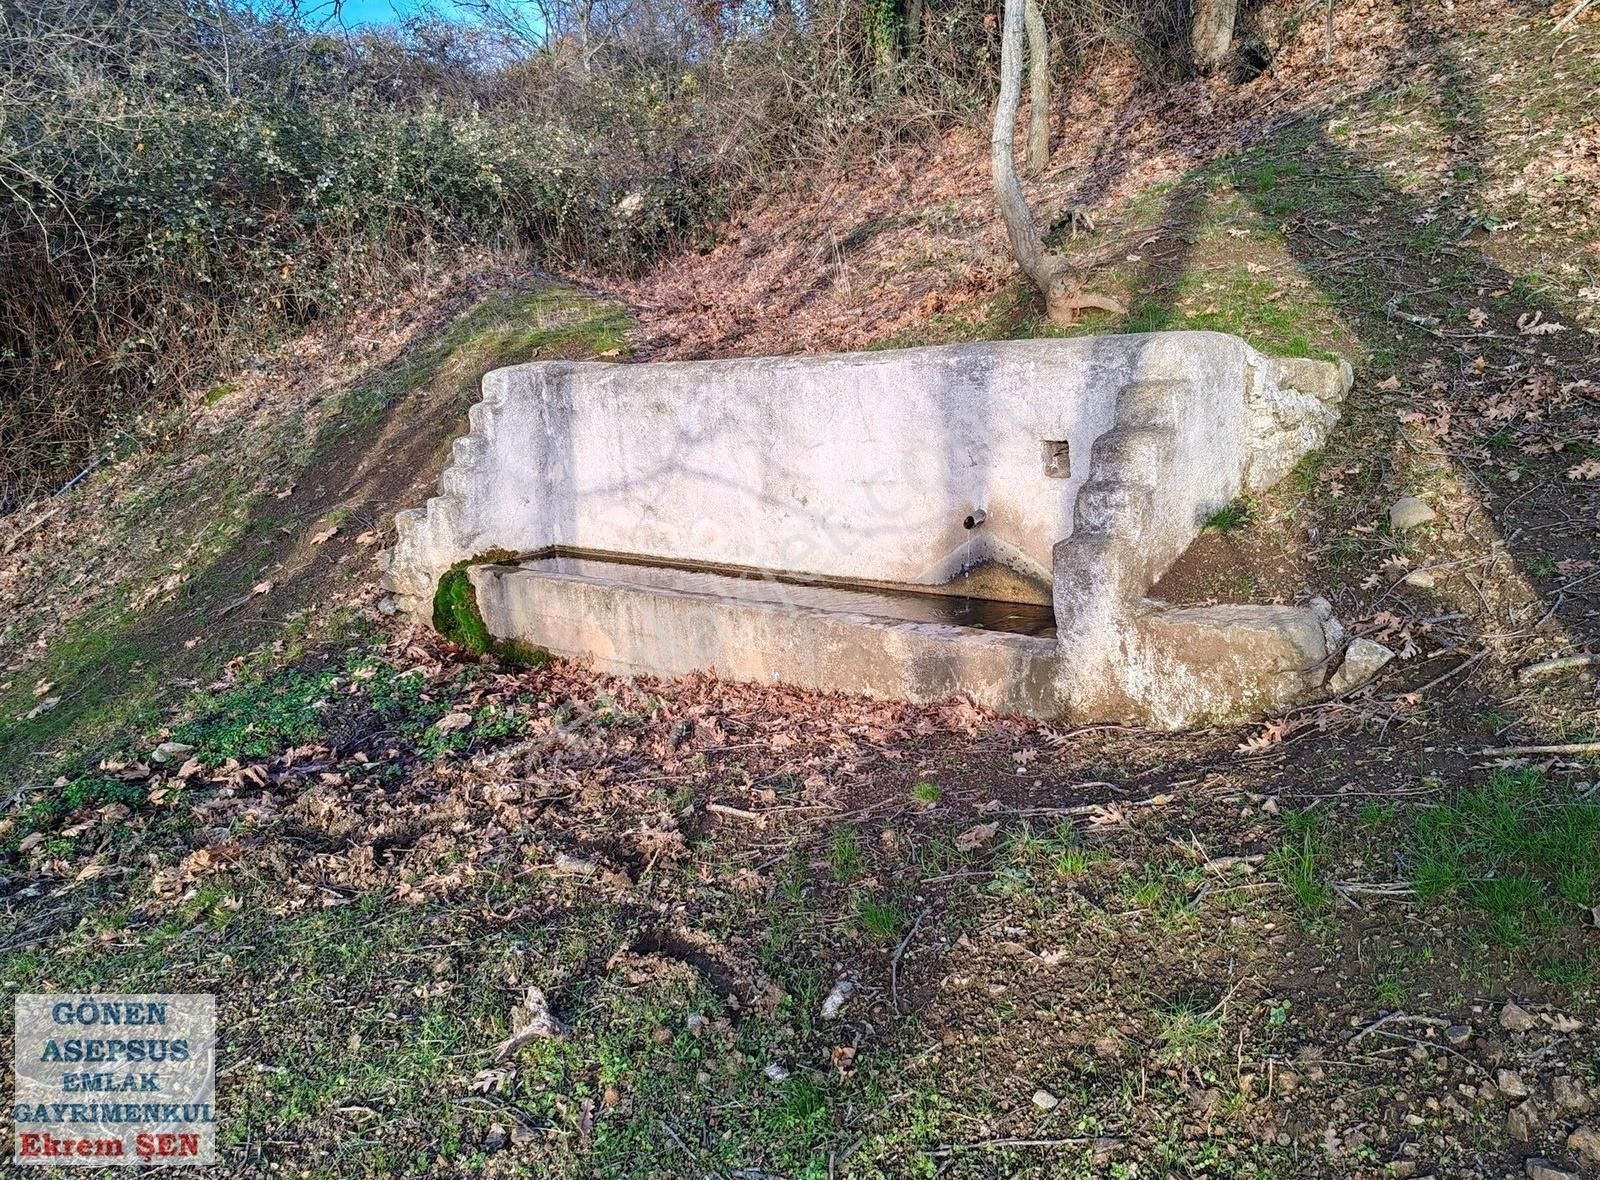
(789, 519)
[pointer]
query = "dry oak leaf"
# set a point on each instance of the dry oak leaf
(1588, 469)
(1533, 323)
(976, 836)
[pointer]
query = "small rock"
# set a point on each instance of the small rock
(170, 752)
(1287, 1081)
(834, 1004)
(1408, 512)
(1522, 1124)
(1105, 1147)
(1514, 1018)
(1539, 1169)
(1585, 1144)
(388, 606)
(1045, 1100)
(1509, 1082)
(1419, 580)
(1569, 1095)
(1362, 659)
(1402, 1169)
(776, 1074)
(1458, 1034)
(697, 1024)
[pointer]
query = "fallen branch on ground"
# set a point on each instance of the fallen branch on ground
(1559, 748)
(1559, 664)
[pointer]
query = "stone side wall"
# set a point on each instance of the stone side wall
(859, 466)
(1154, 476)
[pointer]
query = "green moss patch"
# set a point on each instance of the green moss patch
(455, 611)
(456, 616)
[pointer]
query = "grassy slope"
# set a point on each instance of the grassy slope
(1179, 940)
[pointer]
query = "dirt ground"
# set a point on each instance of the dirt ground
(786, 935)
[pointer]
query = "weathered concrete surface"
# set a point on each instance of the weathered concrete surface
(1081, 468)
(627, 628)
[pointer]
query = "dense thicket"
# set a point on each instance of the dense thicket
(182, 180)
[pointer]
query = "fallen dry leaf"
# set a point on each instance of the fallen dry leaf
(976, 836)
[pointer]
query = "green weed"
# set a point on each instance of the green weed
(879, 919)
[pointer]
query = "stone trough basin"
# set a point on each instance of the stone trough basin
(977, 519)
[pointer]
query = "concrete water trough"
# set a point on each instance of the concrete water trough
(975, 519)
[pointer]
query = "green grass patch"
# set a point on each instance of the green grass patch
(878, 919)
(1297, 863)
(845, 859)
(1518, 850)
(1230, 518)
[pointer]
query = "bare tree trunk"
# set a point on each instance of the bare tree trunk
(1039, 89)
(1212, 33)
(914, 17)
(1063, 296)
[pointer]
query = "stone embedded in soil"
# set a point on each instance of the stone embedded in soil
(1419, 580)
(1541, 1169)
(170, 752)
(1509, 1082)
(1569, 1095)
(1458, 1034)
(835, 1001)
(1408, 512)
(1522, 1124)
(1362, 660)
(1045, 1100)
(1585, 1144)
(1515, 1018)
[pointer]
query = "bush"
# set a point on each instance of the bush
(176, 194)
(180, 183)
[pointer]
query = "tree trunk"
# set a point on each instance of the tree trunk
(1212, 33)
(1023, 234)
(1038, 89)
(1063, 296)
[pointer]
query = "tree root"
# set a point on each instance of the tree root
(1065, 300)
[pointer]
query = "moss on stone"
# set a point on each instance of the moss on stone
(455, 611)
(456, 616)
